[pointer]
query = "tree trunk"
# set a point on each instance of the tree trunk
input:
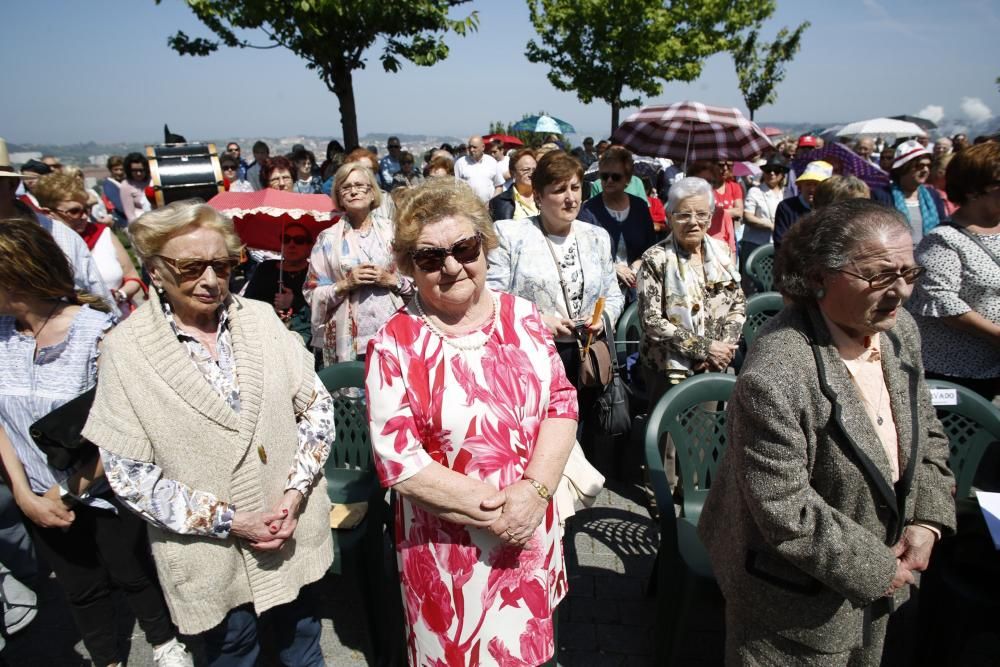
(615, 112)
(751, 113)
(343, 87)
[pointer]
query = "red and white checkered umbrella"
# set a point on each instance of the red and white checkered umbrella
(689, 131)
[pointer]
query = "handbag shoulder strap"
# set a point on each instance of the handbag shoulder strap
(555, 260)
(975, 239)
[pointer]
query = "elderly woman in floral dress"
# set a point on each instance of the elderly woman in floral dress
(690, 302)
(472, 420)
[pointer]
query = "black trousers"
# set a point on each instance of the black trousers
(100, 551)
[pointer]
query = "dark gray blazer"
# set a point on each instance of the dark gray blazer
(800, 521)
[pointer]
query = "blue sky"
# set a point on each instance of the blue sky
(101, 70)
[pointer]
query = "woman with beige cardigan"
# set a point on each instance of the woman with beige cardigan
(214, 428)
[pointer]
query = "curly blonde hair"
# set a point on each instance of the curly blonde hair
(432, 201)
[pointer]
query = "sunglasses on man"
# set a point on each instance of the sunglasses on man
(465, 251)
(611, 176)
(296, 240)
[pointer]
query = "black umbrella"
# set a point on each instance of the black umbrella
(917, 120)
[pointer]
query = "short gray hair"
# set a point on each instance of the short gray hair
(692, 186)
(826, 240)
(153, 229)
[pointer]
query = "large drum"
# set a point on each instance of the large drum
(184, 171)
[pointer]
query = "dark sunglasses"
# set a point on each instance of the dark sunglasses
(192, 269)
(229, 167)
(297, 240)
(465, 251)
(609, 176)
(773, 170)
(883, 280)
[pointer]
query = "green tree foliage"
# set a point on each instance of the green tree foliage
(332, 36)
(619, 50)
(761, 68)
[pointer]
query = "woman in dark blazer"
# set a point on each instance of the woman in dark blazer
(625, 217)
(835, 485)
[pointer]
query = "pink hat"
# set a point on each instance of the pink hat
(907, 151)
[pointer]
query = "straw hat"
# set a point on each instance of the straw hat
(6, 170)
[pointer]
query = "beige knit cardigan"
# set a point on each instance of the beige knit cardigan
(154, 405)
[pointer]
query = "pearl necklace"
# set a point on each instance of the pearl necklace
(469, 342)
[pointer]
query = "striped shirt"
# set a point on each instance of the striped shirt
(31, 386)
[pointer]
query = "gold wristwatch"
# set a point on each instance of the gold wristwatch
(543, 491)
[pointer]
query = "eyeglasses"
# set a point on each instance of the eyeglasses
(274, 180)
(769, 170)
(363, 188)
(888, 278)
(229, 168)
(527, 171)
(465, 251)
(724, 165)
(394, 146)
(297, 240)
(192, 269)
(72, 211)
(610, 176)
(685, 218)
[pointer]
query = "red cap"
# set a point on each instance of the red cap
(807, 141)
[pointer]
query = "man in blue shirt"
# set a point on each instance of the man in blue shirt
(389, 165)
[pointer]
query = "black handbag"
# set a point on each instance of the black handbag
(58, 434)
(613, 415)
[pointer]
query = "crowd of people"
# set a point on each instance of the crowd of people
(472, 286)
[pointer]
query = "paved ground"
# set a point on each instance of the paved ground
(606, 620)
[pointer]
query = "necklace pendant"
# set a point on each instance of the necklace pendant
(262, 454)
(879, 420)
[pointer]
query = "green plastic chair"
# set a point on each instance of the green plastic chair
(627, 331)
(683, 568)
(760, 266)
(760, 308)
(351, 478)
(972, 426)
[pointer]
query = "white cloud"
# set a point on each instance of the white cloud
(975, 109)
(931, 112)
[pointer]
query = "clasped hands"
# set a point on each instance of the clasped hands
(368, 275)
(913, 553)
(268, 531)
(720, 355)
(519, 510)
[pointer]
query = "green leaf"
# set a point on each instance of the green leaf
(332, 36)
(619, 51)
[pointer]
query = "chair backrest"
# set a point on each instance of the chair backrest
(352, 448)
(627, 330)
(698, 432)
(760, 266)
(972, 425)
(760, 308)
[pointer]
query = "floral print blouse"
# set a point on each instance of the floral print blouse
(684, 308)
(173, 505)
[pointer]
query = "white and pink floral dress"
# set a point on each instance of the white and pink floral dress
(470, 598)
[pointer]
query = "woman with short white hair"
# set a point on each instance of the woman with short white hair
(691, 305)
